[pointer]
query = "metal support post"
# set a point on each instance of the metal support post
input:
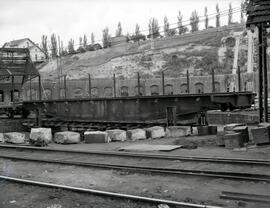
(265, 80)
(114, 85)
(163, 83)
(89, 85)
(260, 71)
(30, 88)
(239, 79)
(38, 117)
(12, 87)
(39, 88)
(213, 81)
(188, 82)
(139, 85)
(65, 86)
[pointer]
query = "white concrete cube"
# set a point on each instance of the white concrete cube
(2, 138)
(117, 135)
(155, 132)
(136, 134)
(177, 131)
(41, 135)
(14, 137)
(67, 137)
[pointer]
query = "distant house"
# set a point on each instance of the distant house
(36, 53)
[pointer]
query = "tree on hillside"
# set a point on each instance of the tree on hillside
(44, 44)
(166, 27)
(92, 38)
(243, 10)
(53, 45)
(230, 14)
(206, 17)
(84, 41)
(194, 21)
(137, 35)
(80, 41)
(181, 29)
(153, 28)
(217, 16)
(106, 38)
(119, 30)
(71, 49)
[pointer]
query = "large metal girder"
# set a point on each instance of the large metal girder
(139, 109)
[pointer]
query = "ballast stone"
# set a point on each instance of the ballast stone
(14, 137)
(177, 131)
(117, 135)
(40, 135)
(155, 132)
(67, 137)
(96, 137)
(136, 134)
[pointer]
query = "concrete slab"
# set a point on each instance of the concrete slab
(149, 147)
(14, 137)
(41, 135)
(233, 140)
(260, 135)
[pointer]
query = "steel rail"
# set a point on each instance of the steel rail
(149, 156)
(143, 169)
(106, 193)
(245, 197)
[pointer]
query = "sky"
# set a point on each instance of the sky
(74, 18)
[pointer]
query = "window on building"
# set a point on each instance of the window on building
(124, 91)
(108, 92)
(168, 89)
(154, 90)
(183, 88)
(199, 88)
(36, 57)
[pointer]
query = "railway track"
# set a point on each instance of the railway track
(107, 194)
(82, 159)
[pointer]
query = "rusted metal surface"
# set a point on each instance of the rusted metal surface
(140, 108)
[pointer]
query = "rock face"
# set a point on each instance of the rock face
(155, 132)
(177, 131)
(67, 137)
(117, 135)
(14, 137)
(96, 137)
(40, 136)
(2, 138)
(136, 134)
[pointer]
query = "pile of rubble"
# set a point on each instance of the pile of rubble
(44, 136)
(238, 135)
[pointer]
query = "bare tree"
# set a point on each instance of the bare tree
(206, 17)
(243, 10)
(217, 16)
(53, 45)
(166, 27)
(44, 44)
(106, 37)
(119, 30)
(230, 14)
(84, 41)
(80, 41)
(71, 46)
(194, 21)
(181, 29)
(153, 28)
(92, 38)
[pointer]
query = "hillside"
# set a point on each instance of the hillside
(198, 52)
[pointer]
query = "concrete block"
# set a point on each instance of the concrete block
(2, 138)
(260, 135)
(244, 131)
(96, 137)
(155, 132)
(136, 134)
(220, 139)
(233, 140)
(67, 137)
(230, 127)
(203, 130)
(178, 131)
(194, 130)
(212, 130)
(117, 135)
(40, 135)
(14, 137)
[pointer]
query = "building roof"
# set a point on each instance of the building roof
(17, 42)
(258, 12)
